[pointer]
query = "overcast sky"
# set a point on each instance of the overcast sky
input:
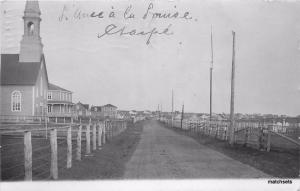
(130, 74)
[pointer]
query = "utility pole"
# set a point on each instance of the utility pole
(158, 112)
(211, 69)
(172, 115)
(182, 115)
(232, 120)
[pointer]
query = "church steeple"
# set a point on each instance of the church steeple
(31, 48)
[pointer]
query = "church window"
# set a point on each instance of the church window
(16, 101)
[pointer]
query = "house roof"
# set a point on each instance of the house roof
(86, 106)
(55, 87)
(109, 105)
(14, 72)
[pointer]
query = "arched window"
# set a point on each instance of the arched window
(16, 97)
(30, 28)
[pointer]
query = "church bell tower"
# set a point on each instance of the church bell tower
(31, 48)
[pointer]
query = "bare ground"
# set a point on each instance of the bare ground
(165, 154)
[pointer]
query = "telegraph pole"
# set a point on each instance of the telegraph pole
(232, 120)
(211, 69)
(172, 107)
(182, 115)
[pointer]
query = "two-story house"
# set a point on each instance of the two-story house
(59, 102)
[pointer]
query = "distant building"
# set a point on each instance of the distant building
(81, 110)
(104, 111)
(121, 114)
(96, 111)
(59, 101)
(109, 110)
(24, 79)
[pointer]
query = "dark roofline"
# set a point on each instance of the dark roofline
(44, 62)
(57, 88)
(109, 105)
(14, 66)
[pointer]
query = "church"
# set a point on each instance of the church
(24, 78)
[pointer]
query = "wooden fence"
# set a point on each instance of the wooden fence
(27, 154)
(251, 134)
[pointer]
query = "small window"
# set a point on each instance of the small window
(16, 101)
(49, 108)
(49, 95)
(30, 28)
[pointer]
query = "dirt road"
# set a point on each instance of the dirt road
(163, 153)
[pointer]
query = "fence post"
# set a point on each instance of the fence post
(103, 132)
(78, 153)
(0, 156)
(269, 141)
(27, 155)
(260, 138)
(94, 137)
(69, 151)
(107, 131)
(99, 135)
(246, 136)
(88, 139)
(217, 131)
(53, 142)
(111, 130)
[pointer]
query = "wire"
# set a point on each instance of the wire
(61, 142)
(41, 148)
(14, 177)
(41, 165)
(12, 155)
(41, 157)
(12, 167)
(11, 144)
(39, 174)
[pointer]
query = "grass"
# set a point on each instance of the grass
(107, 163)
(280, 164)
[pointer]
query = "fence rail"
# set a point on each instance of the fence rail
(37, 154)
(251, 134)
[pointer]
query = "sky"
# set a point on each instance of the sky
(126, 72)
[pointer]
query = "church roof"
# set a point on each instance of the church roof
(14, 72)
(55, 87)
